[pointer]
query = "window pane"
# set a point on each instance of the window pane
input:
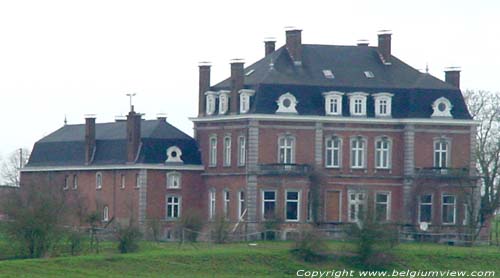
(269, 195)
(292, 210)
(426, 198)
(382, 198)
(425, 213)
(292, 195)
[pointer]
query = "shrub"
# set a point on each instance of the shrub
(271, 226)
(220, 230)
(128, 238)
(154, 225)
(309, 246)
(191, 223)
(75, 242)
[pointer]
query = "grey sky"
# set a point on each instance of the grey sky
(73, 58)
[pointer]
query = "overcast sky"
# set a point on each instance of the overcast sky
(70, 58)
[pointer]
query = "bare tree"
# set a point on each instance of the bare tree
(11, 166)
(485, 108)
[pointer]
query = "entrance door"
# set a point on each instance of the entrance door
(332, 206)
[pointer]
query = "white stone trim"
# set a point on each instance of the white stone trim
(177, 157)
(224, 96)
(447, 110)
(352, 100)
(141, 166)
(378, 97)
(282, 108)
(333, 95)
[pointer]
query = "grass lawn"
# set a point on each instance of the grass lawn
(267, 259)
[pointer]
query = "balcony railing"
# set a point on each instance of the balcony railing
(442, 172)
(283, 169)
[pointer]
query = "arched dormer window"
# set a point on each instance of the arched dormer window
(333, 103)
(223, 101)
(174, 154)
(211, 98)
(441, 107)
(383, 104)
(245, 95)
(287, 104)
(357, 103)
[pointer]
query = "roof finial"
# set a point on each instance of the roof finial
(65, 120)
(426, 67)
(131, 95)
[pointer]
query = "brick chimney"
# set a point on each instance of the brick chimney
(294, 45)
(270, 45)
(89, 138)
(133, 134)
(237, 81)
(452, 76)
(384, 46)
(204, 85)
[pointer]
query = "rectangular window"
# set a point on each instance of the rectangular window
(292, 203)
(357, 203)
(242, 144)
(382, 107)
(66, 183)
(241, 201)
(333, 152)
(382, 206)
(173, 207)
(137, 180)
(382, 153)
(105, 214)
(173, 180)
(98, 180)
(357, 153)
(309, 206)
(328, 74)
(213, 152)
(448, 209)
(358, 106)
(286, 150)
(226, 204)
(122, 181)
(425, 208)
(268, 205)
(441, 154)
(211, 204)
(75, 182)
(227, 151)
(467, 215)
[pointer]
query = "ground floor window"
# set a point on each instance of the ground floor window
(292, 205)
(105, 214)
(382, 206)
(268, 205)
(425, 208)
(241, 206)
(357, 202)
(211, 204)
(226, 204)
(448, 209)
(173, 207)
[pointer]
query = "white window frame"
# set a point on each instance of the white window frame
(357, 202)
(420, 204)
(223, 101)
(467, 216)
(379, 153)
(289, 144)
(105, 214)
(241, 203)
(282, 108)
(212, 204)
(333, 103)
(66, 182)
(355, 99)
(137, 180)
(438, 152)
(448, 204)
(211, 99)
(212, 151)
(174, 180)
(227, 200)
(309, 215)
(444, 113)
(122, 181)
(242, 152)
(226, 151)
(388, 204)
(263, 201)
(173, 204)
(245, 95)
(75, 182)
(331, 150)
(298, 202)
(354, 153)
(383, 100)
(98, 180)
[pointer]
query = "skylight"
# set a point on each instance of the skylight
(328, 74)
(369, 74)
(249, 72)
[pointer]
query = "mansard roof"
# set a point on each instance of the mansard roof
(66, 146)
(277, 74)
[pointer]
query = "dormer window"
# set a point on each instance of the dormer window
(174, 154)
(369, 74)
(211, 98)
(245, 100)
(333, 103)
(287, 103)
(328, 74)
(442, 107)
(383, 103)
(223, 101)
(357, 103)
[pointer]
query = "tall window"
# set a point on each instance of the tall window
(467, 215)
(242, 145)
(223, 102)
(245, 95)
(210, 102)
(333, 152)
(309, 206)
(98, 180)
(137, 180)
(382, 153)
(241, 203)
(382, 206)
(425, 208)
(268, 205)
(448, 210)
(292, 206)
(357, 203)
(212, 152)
(66, 183)
(75, 182)
(358, 153)
(173, 207)
(122, 181)
(441, 154)
(286, 151)
(105, 214)
(173, 180)
(226, 204)
(358, 106)
(227, 151)
(211, 204)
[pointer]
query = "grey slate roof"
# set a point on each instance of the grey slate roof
(66, 145)
(276, 74)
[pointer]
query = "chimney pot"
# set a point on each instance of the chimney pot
(270, 45)
(294, 45)
(204, 85)
(384, 46)
(452, 76)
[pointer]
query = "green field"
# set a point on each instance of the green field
(267, 259)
